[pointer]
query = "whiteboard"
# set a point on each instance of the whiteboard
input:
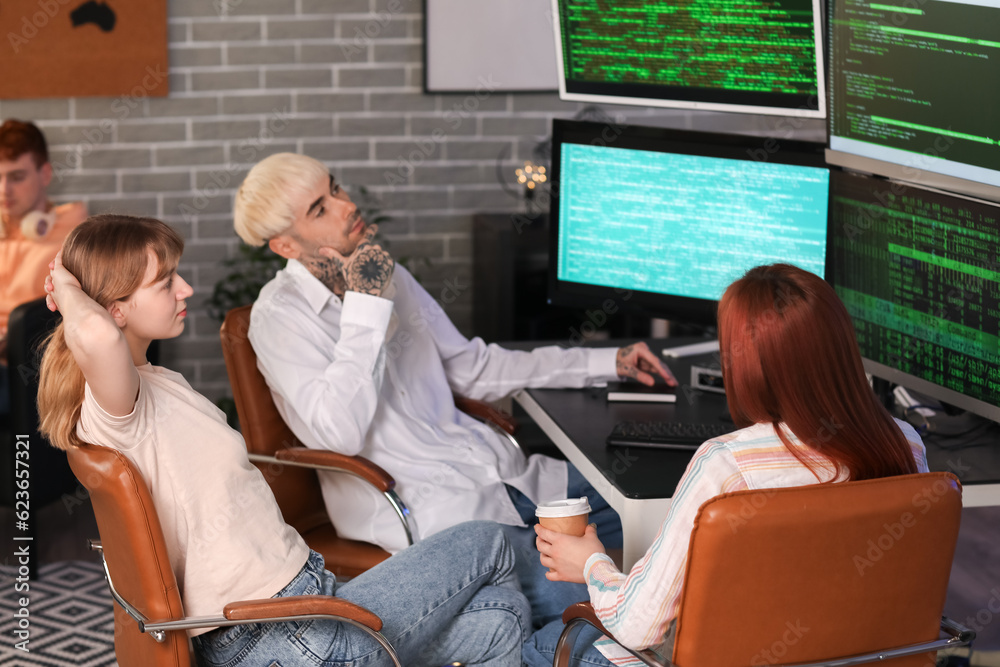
(509, 43)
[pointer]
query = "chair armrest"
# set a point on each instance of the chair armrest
(300, 605)
(327, 460)
(585, 611)
(486, 412)
(957, 631)
(276, 610)
(322, 459)
(575, 617)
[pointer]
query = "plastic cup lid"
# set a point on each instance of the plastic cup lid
(562, 508)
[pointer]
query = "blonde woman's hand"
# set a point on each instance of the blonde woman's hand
(57, 281)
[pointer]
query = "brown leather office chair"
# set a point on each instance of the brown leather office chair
(149, 617)
(290, 468)
(859, 570)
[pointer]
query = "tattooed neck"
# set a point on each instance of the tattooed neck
(329, 272)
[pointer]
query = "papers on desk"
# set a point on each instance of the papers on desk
(637, 392)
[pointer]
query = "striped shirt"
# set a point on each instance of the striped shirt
(638, 607)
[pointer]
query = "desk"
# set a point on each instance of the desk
(638, 482)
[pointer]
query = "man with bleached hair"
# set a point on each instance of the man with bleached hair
(362, 360)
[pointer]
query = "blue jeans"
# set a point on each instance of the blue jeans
(451, 597)
(548, 599)
(540, 650)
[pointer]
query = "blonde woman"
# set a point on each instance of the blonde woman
(451, 597)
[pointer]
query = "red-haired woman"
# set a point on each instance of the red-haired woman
(796, 387)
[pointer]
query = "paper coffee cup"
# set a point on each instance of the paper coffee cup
(565, 516)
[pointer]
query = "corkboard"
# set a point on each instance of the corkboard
(79, 48)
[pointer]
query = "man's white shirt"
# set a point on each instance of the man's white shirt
(346, 380)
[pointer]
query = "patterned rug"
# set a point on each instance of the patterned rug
(69, 616)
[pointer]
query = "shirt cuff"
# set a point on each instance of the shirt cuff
(602, 363)
(599, 567)
(366, 310)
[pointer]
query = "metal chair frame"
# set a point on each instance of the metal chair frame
(959, 636)
(157, 629)
(398, 506)
(506, 436)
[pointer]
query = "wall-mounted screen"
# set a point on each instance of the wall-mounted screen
(915, 92)
(754, 56)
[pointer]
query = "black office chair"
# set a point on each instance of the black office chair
(28, 326)
(50, 475)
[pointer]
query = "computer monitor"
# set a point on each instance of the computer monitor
(919, 271)
(914, 92)
(762, 57)
(665, 220)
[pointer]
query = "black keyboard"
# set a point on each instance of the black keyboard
(667, 435)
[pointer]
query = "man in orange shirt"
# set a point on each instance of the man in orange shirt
(32, 229)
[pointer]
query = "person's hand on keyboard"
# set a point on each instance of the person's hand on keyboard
(637, 362)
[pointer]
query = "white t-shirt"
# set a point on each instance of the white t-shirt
(224, 533)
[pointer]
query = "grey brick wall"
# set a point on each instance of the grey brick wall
(252, 77)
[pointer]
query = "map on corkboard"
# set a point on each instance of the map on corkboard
(81, 48)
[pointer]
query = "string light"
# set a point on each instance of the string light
(530, 175)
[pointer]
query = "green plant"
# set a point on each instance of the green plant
(250, 270)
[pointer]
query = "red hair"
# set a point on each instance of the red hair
(789, 355)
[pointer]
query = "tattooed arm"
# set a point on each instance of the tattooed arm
(638, 362)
